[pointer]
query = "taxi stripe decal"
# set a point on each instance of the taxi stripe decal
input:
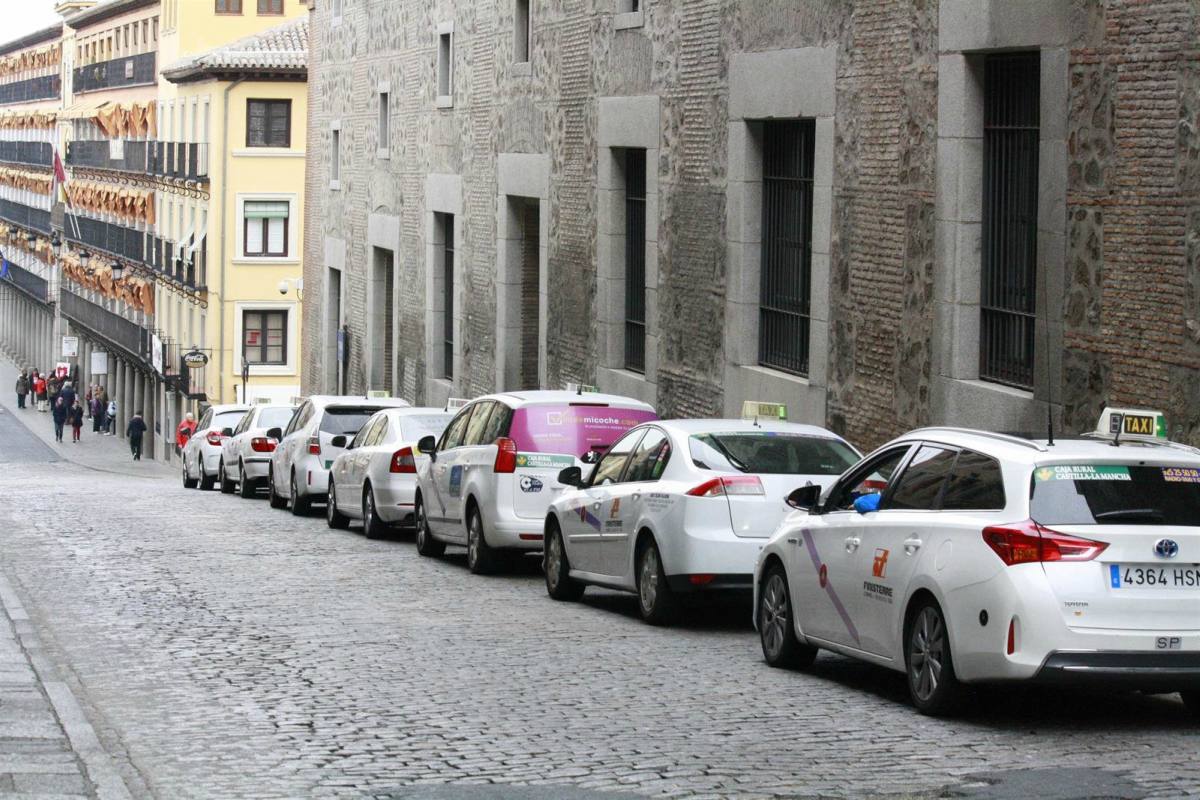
(811, 546)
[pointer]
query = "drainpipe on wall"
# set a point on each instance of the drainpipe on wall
(224, 220)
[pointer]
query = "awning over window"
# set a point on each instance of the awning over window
(268, 209)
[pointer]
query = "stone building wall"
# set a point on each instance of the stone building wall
(1130, 266)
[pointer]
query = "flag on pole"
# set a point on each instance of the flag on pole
(60, 180)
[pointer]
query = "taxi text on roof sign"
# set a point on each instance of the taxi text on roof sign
(455, 403)
(379, 394)
(753, 409)
(1133, 422)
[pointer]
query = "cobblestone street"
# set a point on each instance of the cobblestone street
(222, 649)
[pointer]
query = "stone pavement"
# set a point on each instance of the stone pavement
(224, 649)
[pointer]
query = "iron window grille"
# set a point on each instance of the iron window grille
(785, 286)
(1008, 302)
(635, 260)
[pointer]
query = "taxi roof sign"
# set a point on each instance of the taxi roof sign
(581, 388)
(1133, 423)
(455, 403)
(379, 394)
(755, 410)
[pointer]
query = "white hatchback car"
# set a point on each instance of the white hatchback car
(682, 506)
(963, 557)
(246, 449)
(299, 468)
(202, 453)
(374, 480)
(493, 472)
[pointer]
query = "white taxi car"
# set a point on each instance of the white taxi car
(374, 480)
(299, 468)
(202, 453)
(246, 449)
(961, 557)
(682, 506)
(492, 473)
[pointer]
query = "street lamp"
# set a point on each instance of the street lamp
(31, 238)
(84, 258)
(56, 245)
(118, 270)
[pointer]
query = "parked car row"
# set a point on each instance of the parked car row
(955, 556)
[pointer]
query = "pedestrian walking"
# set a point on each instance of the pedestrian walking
(22, 388)
(110, 416)
(185, 431)
(76, 421)
(97, 407)
(39, 391)
(53, 385)
(67, 392)
(60, 418)
(135, 430)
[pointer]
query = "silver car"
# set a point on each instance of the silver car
(375, 479)
(299, 468)
(246, 450)
(202, 453)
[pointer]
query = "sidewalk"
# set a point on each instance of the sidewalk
(105, 453)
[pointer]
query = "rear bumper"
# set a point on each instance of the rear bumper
(394, 501)
(1138, 670)
(738, 582)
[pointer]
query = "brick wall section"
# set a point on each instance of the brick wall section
(1134, 184)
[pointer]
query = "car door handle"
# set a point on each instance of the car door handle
(852, 544)
(596, 506)
(912, 545)
(793, 540)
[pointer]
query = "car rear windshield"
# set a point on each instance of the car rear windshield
(573, 429)
(417, 426)
(227, 419)
(346, 419)
(274, 417)
(1115, 494)
(770, 453)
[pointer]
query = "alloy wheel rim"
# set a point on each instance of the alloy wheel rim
(553, 560)
(368, 507)
(294, 496)
(648, 578)
(927, 653)
(473, 534)
(774, 615)
(421, 524)
(331, 506)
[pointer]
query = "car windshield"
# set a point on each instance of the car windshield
(770, 453)
(227, 419)
(274, 417)
(573, 428)
(346, 419)
(1115, 494)
(417, 426)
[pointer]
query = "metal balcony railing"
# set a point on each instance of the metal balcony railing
(126, 71)
(182, 160)
(25, 216)
(140, 247)
(34, 154)
(127, 335)
(28, 282)
(46, 87)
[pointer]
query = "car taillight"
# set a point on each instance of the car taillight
(1029, 543)
(314, 445)
(729, 485)
(261, 444)
(404, 462)
(506, 456)
(214, 438)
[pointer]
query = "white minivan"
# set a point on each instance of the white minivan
(493, 472)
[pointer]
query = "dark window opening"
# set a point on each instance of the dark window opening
(268, 123)
(264, 337)
(635, 260)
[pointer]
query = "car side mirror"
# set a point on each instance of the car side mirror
(805, 498)
(428, 446)
(338, 441)
(571, 476)
(868, 503)
(274, 433)
(227, 432)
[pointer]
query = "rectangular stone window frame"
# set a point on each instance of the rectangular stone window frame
(520, 176)
(522, 31)
(383, 237)
(629, 14)
(335, 155)
(291, 337)
(337, 8)
(334, 309)
(383, 150)
(291, 230)
(763, 86)
(444, 86)
(625, 122)
(968, 32)
(443, 195)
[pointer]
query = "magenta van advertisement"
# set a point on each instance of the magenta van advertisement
(572, 429)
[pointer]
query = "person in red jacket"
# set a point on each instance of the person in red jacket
(185, 431)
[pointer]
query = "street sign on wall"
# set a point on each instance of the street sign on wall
(70, 346)
(99, 363)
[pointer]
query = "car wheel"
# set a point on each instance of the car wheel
(188, 483)
(227, 486)
(656, 601)
(247, 487)
(206, 482)
(299, 505)
(559, 583)
(426, 544)
(931, 681)
(482, 559)
(373, 526)
(273, 497)
(333, 517)
(776, 625)
(1192, 701)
